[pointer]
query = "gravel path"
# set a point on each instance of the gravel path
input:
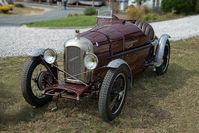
(178, 29)
(15, 41)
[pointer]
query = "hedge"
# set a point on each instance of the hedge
(179, 6)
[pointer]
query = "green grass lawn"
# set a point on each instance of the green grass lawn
(168, 103)
(67, 21)
(84, 21)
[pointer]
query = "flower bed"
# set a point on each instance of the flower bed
(11, 6)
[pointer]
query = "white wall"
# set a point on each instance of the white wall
(148, 3)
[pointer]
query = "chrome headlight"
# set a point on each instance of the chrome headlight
(90, 61)
(50, 56)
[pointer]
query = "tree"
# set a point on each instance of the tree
(179, 6)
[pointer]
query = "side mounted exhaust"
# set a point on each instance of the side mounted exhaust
(160, 49)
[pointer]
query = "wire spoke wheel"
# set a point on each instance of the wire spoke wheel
(113, 93)
(35, 79)
(117, 93)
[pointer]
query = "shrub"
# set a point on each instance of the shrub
(19, 5)
(135, 12)
(146, 9)
(115, 7)
(151, 16)
(154, 16)
(11, 6)
(179, 6)
(90, 11)
(197, 6)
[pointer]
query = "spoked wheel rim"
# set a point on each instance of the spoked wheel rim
(117, 95)
(40, 79)
(166, 58)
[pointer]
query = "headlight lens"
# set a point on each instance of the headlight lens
(50, 56)
(90, 61)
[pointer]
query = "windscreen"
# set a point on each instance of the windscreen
(105, 12)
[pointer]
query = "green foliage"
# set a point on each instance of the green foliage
(90, 11)
(67, 21)
(156, 17)
(115, 7)
(197, 6)
(19, 5)
(179, 6)
(135, 12)
(146, 14)
(151, 16)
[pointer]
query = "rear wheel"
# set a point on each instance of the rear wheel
(112, 94)
(35, 78)
(166, 57)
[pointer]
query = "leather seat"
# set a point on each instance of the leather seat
(146, 28)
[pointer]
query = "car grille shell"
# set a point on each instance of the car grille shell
(74, 53)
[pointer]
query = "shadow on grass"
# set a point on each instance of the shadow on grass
(25, 113)
(13, 110)
(149, 89)
(141, 109)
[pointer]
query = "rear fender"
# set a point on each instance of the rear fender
(116, 64)
(160, 49)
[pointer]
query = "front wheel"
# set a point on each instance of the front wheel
(35, 78)
(113, 93)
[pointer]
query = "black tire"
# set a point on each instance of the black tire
(27, 81)
(162, 69)
(108, 91)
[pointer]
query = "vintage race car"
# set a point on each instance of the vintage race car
(100, 62)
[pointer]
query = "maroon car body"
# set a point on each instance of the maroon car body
(115, 49)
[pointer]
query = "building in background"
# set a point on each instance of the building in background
(149, 3)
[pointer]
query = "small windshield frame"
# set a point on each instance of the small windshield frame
(105, 12)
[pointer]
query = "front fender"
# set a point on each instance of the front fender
(37, 52)
(37, 55)
(116, 64)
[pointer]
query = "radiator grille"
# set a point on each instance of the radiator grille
(74, 64)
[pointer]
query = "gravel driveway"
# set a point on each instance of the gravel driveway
(15, 41)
